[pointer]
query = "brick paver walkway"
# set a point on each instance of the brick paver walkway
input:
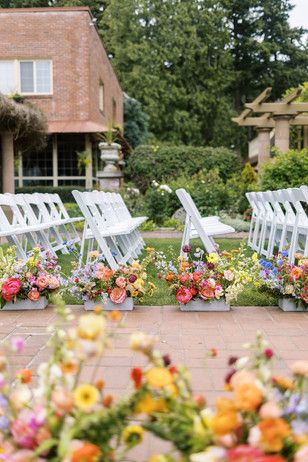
(187, 337)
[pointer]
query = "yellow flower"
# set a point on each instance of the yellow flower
(158, 458)
(255, 257)
(212, 257)
(138, 284)
(135, 293)
(86, 396)
(91, 326)
(133, 435)
(32, 262)
(135, 264)
(158, 377)
(149, 405)
(94, 254)
(149, 249)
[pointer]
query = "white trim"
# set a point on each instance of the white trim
(18, 78)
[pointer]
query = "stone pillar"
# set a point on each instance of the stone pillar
(282, 135)
(7, 149)
(264, 144)
(89, 171)
(306, 136)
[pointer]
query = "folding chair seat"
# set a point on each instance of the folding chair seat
(196, 227)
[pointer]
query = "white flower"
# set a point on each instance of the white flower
(155, 184)
(254, 436)
(21, 396)
(242, 362)
(165, 187)
(212, 454)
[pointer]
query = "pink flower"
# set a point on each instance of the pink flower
(270, 410)
(24, 455)
(268, 353)
(11, 288)
(184, 278)
(42, 282)
(302, 454)
(118, 295)
(183, 295)
(121, 282)
(244, 453)
(54, 282)
(207, 292)
(34, 295)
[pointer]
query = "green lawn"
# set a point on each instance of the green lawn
(171, 247)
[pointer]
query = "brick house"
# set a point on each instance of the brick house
(55, 58)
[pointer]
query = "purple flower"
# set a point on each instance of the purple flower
(186, 248)
(132, 278)
(4, 422)
(18, 344)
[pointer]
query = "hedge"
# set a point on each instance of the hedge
(65, 192)
(163, 163)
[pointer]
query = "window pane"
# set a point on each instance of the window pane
(7, 77)
(43, 81)
(26, 77)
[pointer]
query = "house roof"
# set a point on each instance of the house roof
(75, 126)
(46, 9)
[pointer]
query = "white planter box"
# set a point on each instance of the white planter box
(127, 305)
(26, 305)
(288, 304)
(202, 305)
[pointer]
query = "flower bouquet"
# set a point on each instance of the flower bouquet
(206, 284)
(66, 419)
(97, 284)
(289, 280)
(28, 284)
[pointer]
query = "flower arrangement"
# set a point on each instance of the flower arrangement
(36, 277)
(287, 279)
(63, 419)
(97, 282)
(207, 277)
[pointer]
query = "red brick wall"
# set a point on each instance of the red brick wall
(79, 60)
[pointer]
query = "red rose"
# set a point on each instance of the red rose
(11, 288)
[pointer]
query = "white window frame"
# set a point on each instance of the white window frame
(18, 79)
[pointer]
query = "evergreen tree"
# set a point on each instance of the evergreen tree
(135, 122)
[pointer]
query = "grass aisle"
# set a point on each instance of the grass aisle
(171, 247)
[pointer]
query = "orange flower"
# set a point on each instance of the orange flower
(98, 309)
(25, 375)
(148, 405)
(170, 277)
(284, 383)
(159, 377)
(225, 422)
(115, 315)
(185, 264)
(213, 353)
(273, 433)
(207, 292)
(87, 453)
(248, 397)
(107, 401)
(296, 273)
(100, 384)
(69, 367)
(225, 405)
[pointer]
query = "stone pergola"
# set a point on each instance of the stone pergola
(277, 116)
(22, 127)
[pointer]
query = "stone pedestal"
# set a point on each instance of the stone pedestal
(264, 144)
(7, 149)
(282, 135)
(111, 176)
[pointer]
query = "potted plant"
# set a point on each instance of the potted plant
(27, 285)
(95, 284)
(288, 280)
(206, 284)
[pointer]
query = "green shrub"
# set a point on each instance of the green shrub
(164, 163)
(236, 188)
(157, 202)
(65, 192)
(286, 170)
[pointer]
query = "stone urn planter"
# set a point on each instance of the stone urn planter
(202, 305)
(111, 175)
(127, 305)
(21, 305)
(290, 304)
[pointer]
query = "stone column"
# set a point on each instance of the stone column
(306, 136)
(264, 144)
(7, 149)
(282, 135)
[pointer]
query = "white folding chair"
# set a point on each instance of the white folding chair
(299, 238)
(100, 230)
(197, 226)
(60, 213)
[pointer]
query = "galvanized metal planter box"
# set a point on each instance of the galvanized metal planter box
(127, 305)
(21, 305)
(289, 304)
(202, 305)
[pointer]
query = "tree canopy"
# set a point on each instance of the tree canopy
(193, 64)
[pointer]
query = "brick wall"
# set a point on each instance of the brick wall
(79, 60)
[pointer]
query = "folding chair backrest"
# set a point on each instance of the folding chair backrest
(26, 211)
(38, 206)
(17, 220)
(58, 207)
(194, 216)
(297, 196)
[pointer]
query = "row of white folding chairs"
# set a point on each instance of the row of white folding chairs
(109, 227)
(197, 226)
(279, 221)
(32, 219)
